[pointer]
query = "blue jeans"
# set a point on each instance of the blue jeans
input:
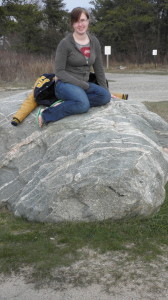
(76, 100)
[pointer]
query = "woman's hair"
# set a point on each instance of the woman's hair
(76, 13)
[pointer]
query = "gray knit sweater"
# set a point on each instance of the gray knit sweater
(71, 64)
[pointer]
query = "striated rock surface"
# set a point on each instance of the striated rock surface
(107, 163)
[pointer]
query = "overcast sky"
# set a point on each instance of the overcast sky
(70, 4)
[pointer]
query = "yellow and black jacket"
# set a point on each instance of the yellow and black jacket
(42, 94)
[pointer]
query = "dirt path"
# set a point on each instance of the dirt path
(102, 277)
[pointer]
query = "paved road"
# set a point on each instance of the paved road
(140, 87)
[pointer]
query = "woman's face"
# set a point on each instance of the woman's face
(81, 26)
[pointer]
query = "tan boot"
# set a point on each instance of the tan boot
(120, 96)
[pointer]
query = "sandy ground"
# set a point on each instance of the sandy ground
(111, 276)
(102, 277)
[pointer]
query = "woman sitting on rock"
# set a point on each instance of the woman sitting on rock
(75, 55)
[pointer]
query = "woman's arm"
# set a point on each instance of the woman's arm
(98, 66)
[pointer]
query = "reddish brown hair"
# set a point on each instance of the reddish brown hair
(76, 13)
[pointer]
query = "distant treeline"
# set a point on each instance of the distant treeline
(133, 28)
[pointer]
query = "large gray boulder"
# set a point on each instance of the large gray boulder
(109, 163)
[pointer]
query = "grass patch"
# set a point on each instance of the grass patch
(47, 246)
(160, 108)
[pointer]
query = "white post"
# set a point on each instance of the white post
(154, 53)
(107, 61)
(107, 52)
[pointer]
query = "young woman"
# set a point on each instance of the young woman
(75, 55)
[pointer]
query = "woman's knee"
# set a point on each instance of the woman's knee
(81, 106)
(106, 97)
(74, 96)
(98, 95)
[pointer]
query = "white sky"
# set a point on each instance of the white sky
(70, 4)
